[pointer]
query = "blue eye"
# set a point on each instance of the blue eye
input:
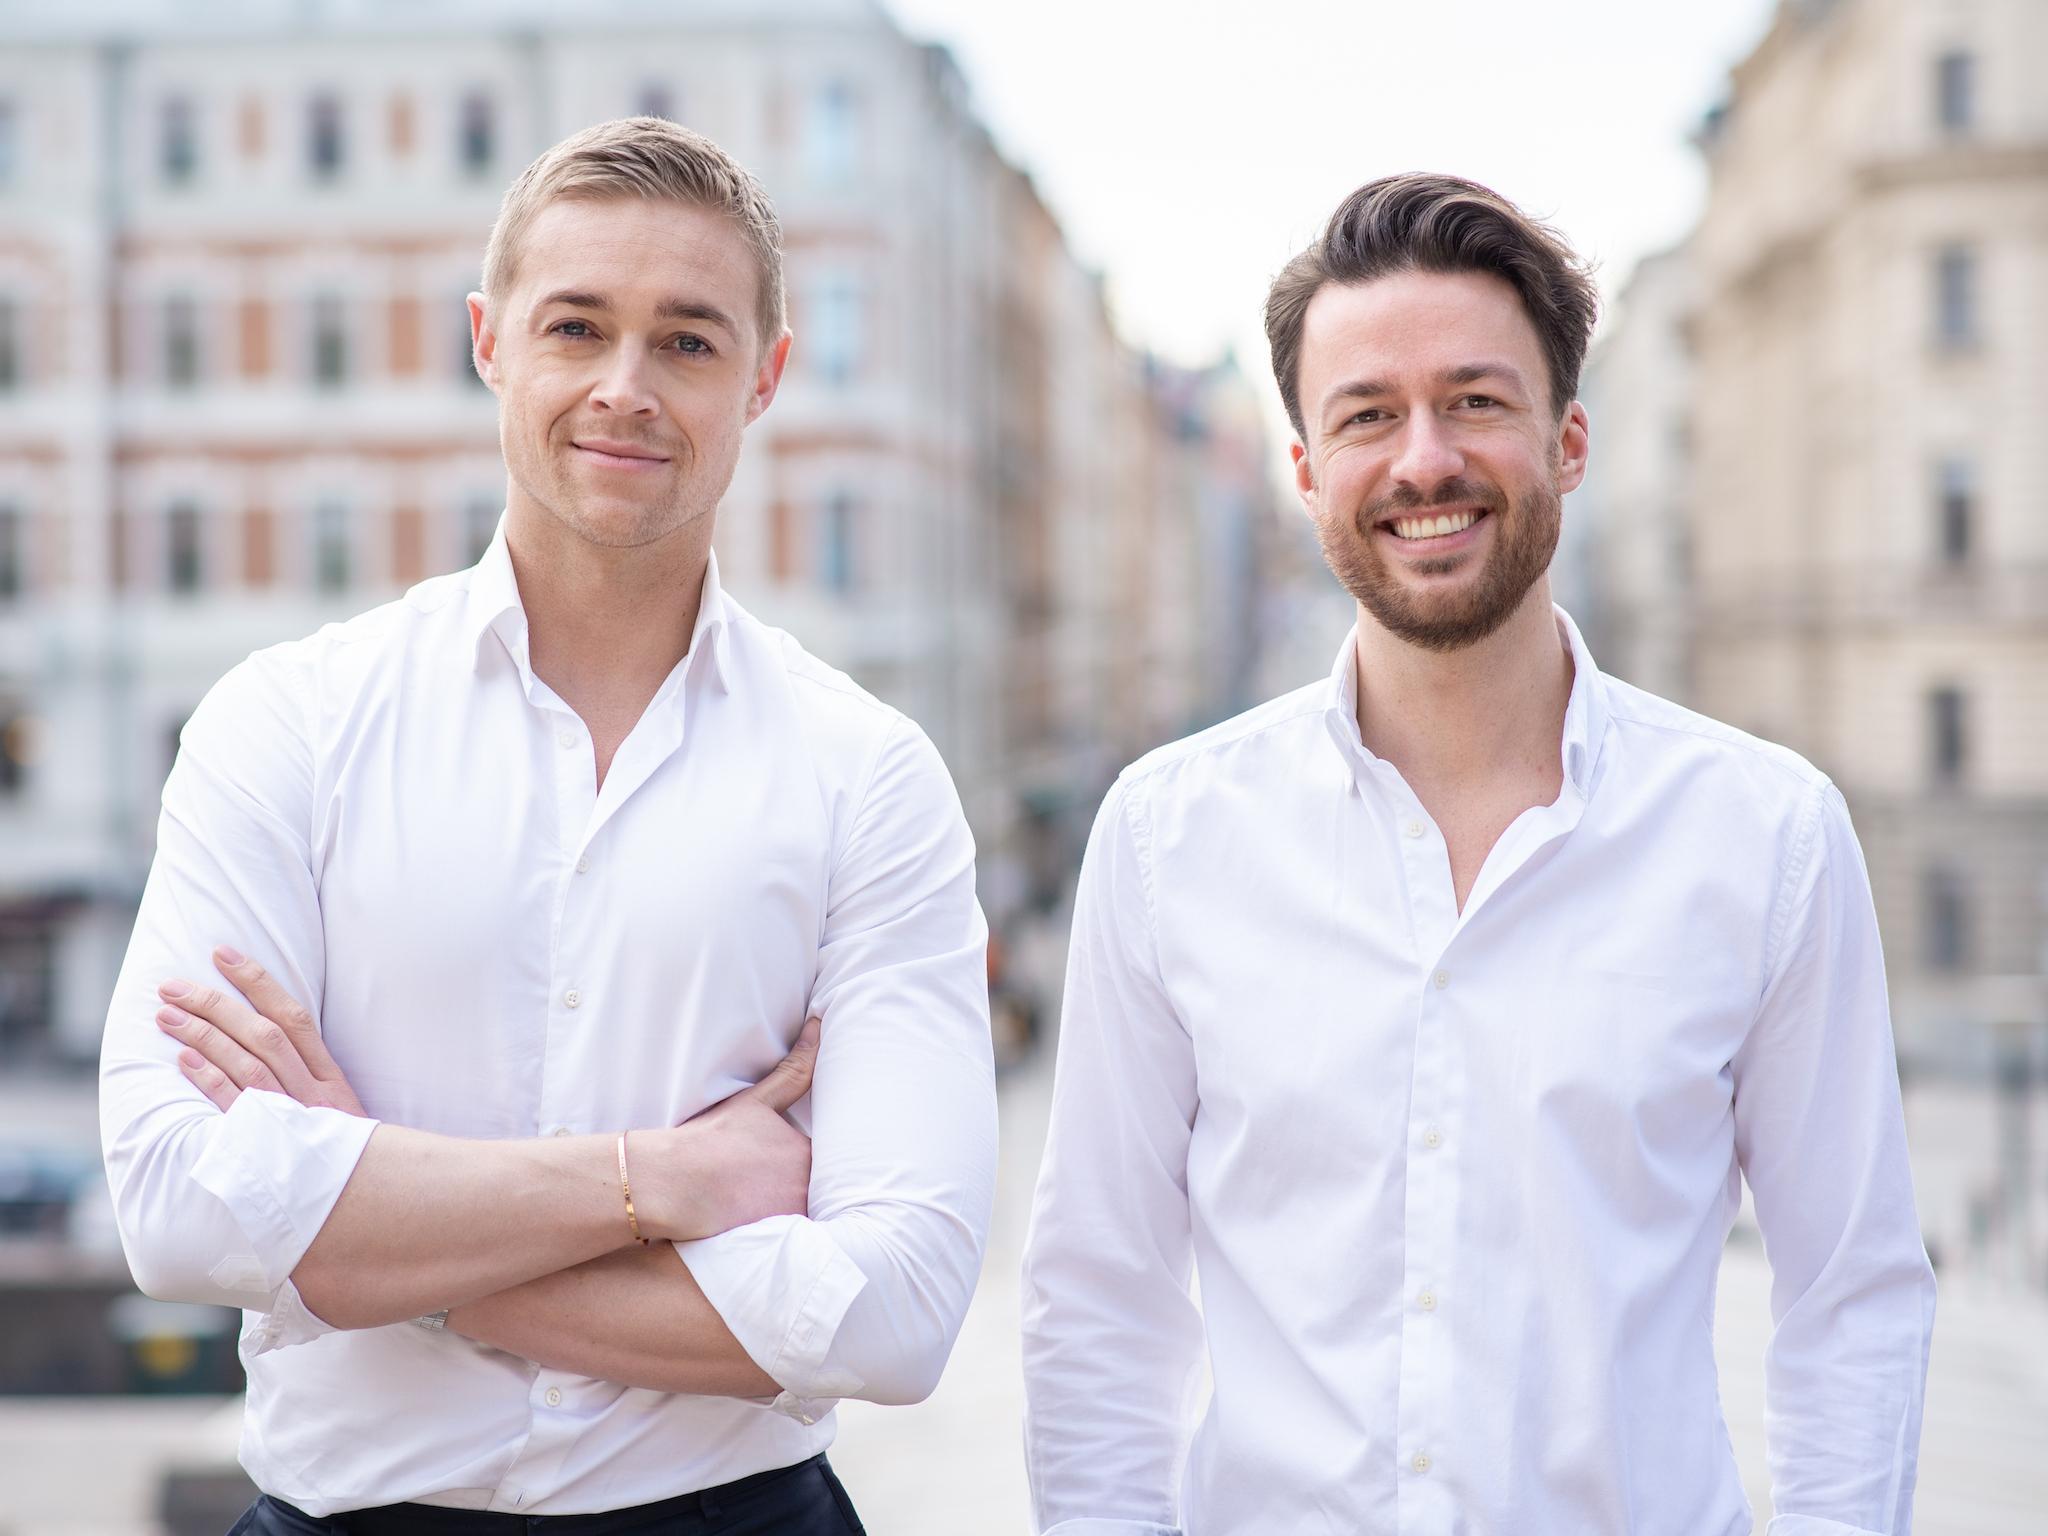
(563, 327)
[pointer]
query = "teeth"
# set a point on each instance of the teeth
(1433, 527)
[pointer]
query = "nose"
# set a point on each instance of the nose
(623, 388)
(1427, 456)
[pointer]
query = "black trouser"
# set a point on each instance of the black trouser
(803, 1500)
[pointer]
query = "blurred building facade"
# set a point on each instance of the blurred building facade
(1828, 523)
(236, 400)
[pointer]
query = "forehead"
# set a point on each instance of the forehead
(1411, 323)
(628, 247)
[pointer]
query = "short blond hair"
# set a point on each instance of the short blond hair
(646, 157)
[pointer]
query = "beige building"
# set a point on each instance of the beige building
(1869, 508)
(236, 398)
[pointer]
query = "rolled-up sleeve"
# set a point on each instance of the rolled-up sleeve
(1821, 1136)
(220, 1208)
(1112, 1336)
(865, 1297)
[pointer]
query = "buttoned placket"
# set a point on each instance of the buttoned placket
(1438, 929)
(557, 1399)
(1431, 1168)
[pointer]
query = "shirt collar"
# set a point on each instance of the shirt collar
(493, 610)
(1585, 712)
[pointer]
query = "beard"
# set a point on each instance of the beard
(1524, 539)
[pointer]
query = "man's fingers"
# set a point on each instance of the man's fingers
(208, 1079)
(271, 1000)
(790, 1078)
(218, 1049)
(224, 1012)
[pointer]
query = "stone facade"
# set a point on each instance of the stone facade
(236, 398)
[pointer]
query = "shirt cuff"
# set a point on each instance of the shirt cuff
(782, 1286)
(1111, 1528)
(278, 1166)
(1814, 1525)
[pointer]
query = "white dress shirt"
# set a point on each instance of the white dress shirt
(401, 821)
(1456, 1184)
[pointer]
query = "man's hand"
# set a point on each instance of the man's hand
(738, 1162)
(258, 1037)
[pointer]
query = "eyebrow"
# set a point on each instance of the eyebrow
(1450, 378)
(667, 309)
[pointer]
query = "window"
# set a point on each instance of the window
(325, 150)
(837, 320)
(1955, 501)
(1955, 92)
(331, 551)
(330, 341)
(10, 345)
(13, 557)
(1946, 727)
(1955, 297)
(177, 141)
(478, 122)
(656, 100)
(183, 559)
(479, 525)
(181, 341)
(837, 567)
(1946, 907)
(831, 132)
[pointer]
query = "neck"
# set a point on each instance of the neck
(606, 626)
(1464, 718)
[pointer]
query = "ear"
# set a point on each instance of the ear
(483, 343)
(1574, 442)
(1304, 477)
(768, 377)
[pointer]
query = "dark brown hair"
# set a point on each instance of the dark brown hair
(1426, 223)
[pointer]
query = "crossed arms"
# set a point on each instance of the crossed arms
(311, 1216)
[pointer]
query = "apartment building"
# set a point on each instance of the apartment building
(236, 401)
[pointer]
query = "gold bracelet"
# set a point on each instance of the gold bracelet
(626, 1189)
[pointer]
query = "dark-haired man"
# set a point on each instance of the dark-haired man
(1434, 1013)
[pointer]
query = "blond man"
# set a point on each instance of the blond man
(539, 1218)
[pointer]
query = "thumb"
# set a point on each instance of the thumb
(790, 1078)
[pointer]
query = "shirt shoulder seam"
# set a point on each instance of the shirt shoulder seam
(1217, 738)
(1805, 841)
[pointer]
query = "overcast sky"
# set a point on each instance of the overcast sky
(1189, 148)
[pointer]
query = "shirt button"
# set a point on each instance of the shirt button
(565, 737)
(572, 998)
(554, 1397)
(583, 865)
(1421, 1462)
(1432, 1138)
(1443, 979)
(1426, 1301)
(1412, 829)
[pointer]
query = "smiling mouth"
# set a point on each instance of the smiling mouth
(618, 456)
(1424, 527)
